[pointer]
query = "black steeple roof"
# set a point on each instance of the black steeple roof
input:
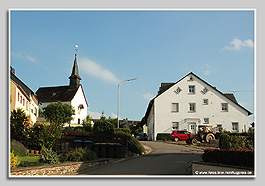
(75, 72)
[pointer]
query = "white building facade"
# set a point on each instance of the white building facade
(191, 102)
(22, 97)
(72, 94)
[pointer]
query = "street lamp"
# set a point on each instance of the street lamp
(119, 96)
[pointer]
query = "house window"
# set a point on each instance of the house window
(27, 105)
(20, 99)
(175, 107)
(235, 127)
(175, 125)
(23, 101)
(192, 107)
(18, 96)
(206, 120)
(78, 121)
(205, 101)
(219, 127)
(191, 89)
(225, 107)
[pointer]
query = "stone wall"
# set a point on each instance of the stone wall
(71, 168)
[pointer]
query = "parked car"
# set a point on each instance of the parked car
(179, 135)
(141, 136)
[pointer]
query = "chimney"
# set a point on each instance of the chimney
(12, 70)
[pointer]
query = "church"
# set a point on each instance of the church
(72, 94)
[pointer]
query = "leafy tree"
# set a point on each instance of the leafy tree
(87, 124)
(103, 126)
(58, 113)
(20, 126)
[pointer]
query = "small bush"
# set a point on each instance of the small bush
(13, 160)
(163, 136)
(80, 154)
(244, 158)
(48, 156)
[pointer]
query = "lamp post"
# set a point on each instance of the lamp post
(118, 110)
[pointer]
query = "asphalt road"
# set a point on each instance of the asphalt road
(165, 159)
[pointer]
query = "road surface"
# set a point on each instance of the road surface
(165, 159)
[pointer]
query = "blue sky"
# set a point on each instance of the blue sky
(154, 46)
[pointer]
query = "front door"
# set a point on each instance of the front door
(192, 127)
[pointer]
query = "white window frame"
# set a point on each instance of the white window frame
(235, 127)
(205, 101)
(206, 120)
(175, 107)
(224, 107)
(192, 107)
(192, 89)
(175, 125)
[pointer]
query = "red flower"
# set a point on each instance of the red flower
(52, 124)
(66, 133)
(55, 134)
(59, 137)
(61, 131)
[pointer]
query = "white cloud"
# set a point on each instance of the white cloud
(94, 69)
(24, 57)
(30, 58)
(94, 115)
(148, 96)
(238, 44)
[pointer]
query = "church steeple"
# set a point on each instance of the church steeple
(75, 78)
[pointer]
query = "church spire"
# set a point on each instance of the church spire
(75, 78)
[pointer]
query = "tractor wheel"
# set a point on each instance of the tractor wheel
(209, 137)
(194, 141)
(176, 139)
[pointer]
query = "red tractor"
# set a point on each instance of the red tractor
(205, 134)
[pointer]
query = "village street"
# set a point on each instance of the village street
(165, 159)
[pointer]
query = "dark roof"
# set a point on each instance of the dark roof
(20, 83)
(54, 94)
(165, 86)
(75, 72)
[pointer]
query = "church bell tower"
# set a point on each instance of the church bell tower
(75, 78)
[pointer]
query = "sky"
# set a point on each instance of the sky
(153, 46)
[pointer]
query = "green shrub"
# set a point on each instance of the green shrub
(236, 141)
(244, 158)
(48, 156)
(128, 131)
(45, 135)
(80, 154)
(103, 126)
(13, 160)
(18, 148)
(133, 144)
(163, 136)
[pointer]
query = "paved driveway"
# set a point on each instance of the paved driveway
(165, 159)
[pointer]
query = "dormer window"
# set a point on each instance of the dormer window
(204, 91)
(81, 106)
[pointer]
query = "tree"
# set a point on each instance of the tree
(20, 126)
(58, 113)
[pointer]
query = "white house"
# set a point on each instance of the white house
(72, 94)
(21, 96)
(191, 102)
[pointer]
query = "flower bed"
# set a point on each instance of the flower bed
(242, 158)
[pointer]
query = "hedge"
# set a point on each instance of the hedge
(228, 141)
(163, 136)
(243, 158)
